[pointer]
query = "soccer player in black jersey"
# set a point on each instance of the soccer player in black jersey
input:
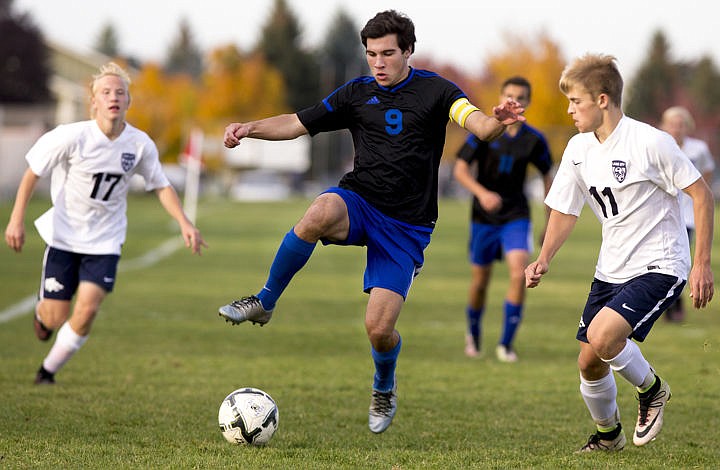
(388, 201)
(500, 226)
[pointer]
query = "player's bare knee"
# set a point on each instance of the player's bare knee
(382, 339)
(325, 218)
(605, 346)
(53, 313)
(591, 367)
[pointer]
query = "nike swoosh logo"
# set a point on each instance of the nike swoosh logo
(575, 163)
(108, 279)
(626, 307)
(648, 428)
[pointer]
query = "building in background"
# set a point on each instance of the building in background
(21, 125)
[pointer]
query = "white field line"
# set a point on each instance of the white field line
(153, 256)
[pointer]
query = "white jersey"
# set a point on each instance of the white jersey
(699, 154)
(631, 183)
(90, 182)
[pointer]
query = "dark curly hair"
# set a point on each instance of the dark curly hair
(390, 22)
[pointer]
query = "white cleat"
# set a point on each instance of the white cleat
(505, 354)
(650, 414)
(383, 406)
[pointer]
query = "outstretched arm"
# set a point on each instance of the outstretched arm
(170, 201)
(280, 127)
(491, 127)
(558, 230)
(700, 281)
(15, 230)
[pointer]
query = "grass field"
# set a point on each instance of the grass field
(145, 389)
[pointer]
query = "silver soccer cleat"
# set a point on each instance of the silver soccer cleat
(246, 309)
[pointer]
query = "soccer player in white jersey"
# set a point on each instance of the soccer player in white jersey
(629, 173)
(679, 123)
(90, 164)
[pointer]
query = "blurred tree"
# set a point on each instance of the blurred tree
(653, 89)
(541, 62)
(163, 106)
(701, 82)
(240, 88)
(342, 58)
(703, 86)
(343, 55)
(280, 44)
(234, 88)
(184, 56)
(107, 41)
(662, 82)
(24, 69)
(237, 87)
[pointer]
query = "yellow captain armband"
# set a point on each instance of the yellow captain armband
(460, 110)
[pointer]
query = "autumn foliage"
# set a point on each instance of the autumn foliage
(234, 87)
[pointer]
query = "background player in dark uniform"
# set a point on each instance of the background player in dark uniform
(500, 225)
(388, 202)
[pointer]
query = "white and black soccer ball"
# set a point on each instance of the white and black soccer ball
(248, 416)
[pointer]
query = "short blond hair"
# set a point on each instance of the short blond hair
(597, 73)
(111, 68)
(682, 113)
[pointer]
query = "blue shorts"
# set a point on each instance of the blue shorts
(640, 301)
(394, 249)
(63, 271)
(490, 242)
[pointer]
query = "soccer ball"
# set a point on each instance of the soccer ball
(248, 416)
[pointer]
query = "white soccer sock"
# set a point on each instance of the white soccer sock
(66, 345)
(600, 399)
(631, 365)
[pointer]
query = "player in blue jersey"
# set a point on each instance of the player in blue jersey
(388, 201)
(500, 225)
(629, 174)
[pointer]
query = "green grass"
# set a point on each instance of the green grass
(145, 389)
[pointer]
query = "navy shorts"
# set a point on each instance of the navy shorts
(640, 301)
(395, 250)
(490, 242)
(63, 271)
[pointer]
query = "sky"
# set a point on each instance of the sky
(463, 33)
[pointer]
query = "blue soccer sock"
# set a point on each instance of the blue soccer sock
(513, 316)
(290, 258)
(474, 322)
(385, 363)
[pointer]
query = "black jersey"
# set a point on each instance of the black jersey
(502, 167)
(398, 134)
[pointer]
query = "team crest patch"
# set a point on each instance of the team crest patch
(127, 160)
(619, 170)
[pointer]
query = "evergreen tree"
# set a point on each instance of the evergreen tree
(653, 88)
(703, 86)
(24, 70)
(343, 54)
(280, 44)
(184, 55)
(343, 58)
(107, 41)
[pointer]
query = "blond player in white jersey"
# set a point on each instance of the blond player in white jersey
(629, 174)
(679, 123)
(90, 164)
